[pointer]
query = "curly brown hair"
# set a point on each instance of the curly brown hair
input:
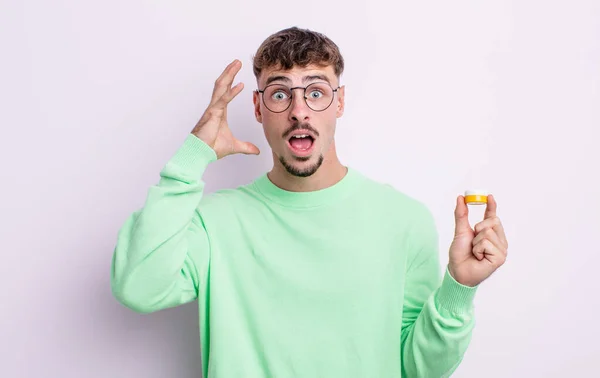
(297, 47)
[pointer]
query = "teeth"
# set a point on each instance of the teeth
(300, 136)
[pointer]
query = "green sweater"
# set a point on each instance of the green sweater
(341, 282)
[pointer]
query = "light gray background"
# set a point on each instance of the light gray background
(96, 96)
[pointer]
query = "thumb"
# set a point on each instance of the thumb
(461, 216)
(490, 209)
(245, 148)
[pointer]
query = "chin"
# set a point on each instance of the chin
(301, 166)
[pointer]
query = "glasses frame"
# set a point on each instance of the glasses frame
(262, 92)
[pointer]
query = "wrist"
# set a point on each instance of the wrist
(208, 141)
(460, 278)
(193, 155)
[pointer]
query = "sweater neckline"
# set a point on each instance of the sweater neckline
(321, 197)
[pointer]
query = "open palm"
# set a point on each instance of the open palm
(212, 128)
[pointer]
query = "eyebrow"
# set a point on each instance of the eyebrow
(304, 79)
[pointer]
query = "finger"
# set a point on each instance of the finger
(461, 216)
(490, 235)
(501, 234)
(224, 81)
(495, 224)
(478, 251)
(483, 248)
(232, 67)
(245, 148)
(490, 209)
(226, 98)
(486, 250)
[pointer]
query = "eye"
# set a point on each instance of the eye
(315, 94)
(279, 96)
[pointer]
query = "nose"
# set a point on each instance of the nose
(299, 111)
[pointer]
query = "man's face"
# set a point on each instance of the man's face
(300, 136)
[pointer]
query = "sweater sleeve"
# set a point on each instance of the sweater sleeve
(438, 318)
(162, 248)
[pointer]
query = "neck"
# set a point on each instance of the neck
(328, 174)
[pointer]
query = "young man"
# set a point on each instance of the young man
(312, 270)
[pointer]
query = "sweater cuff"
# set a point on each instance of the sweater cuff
(194, 155)
(454, 296)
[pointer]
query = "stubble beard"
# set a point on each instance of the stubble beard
(305, 172)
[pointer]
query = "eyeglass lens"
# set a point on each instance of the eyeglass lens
(318, 97)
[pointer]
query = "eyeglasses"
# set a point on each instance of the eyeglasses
(278, 98)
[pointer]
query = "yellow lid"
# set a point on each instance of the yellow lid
(476, 197)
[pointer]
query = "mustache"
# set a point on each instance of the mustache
(300, 126)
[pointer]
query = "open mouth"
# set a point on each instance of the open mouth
(301, 144)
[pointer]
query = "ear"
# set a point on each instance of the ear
(256, 100)
(340, 102)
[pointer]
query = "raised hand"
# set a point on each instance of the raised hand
(476, 253)
(212, 128)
